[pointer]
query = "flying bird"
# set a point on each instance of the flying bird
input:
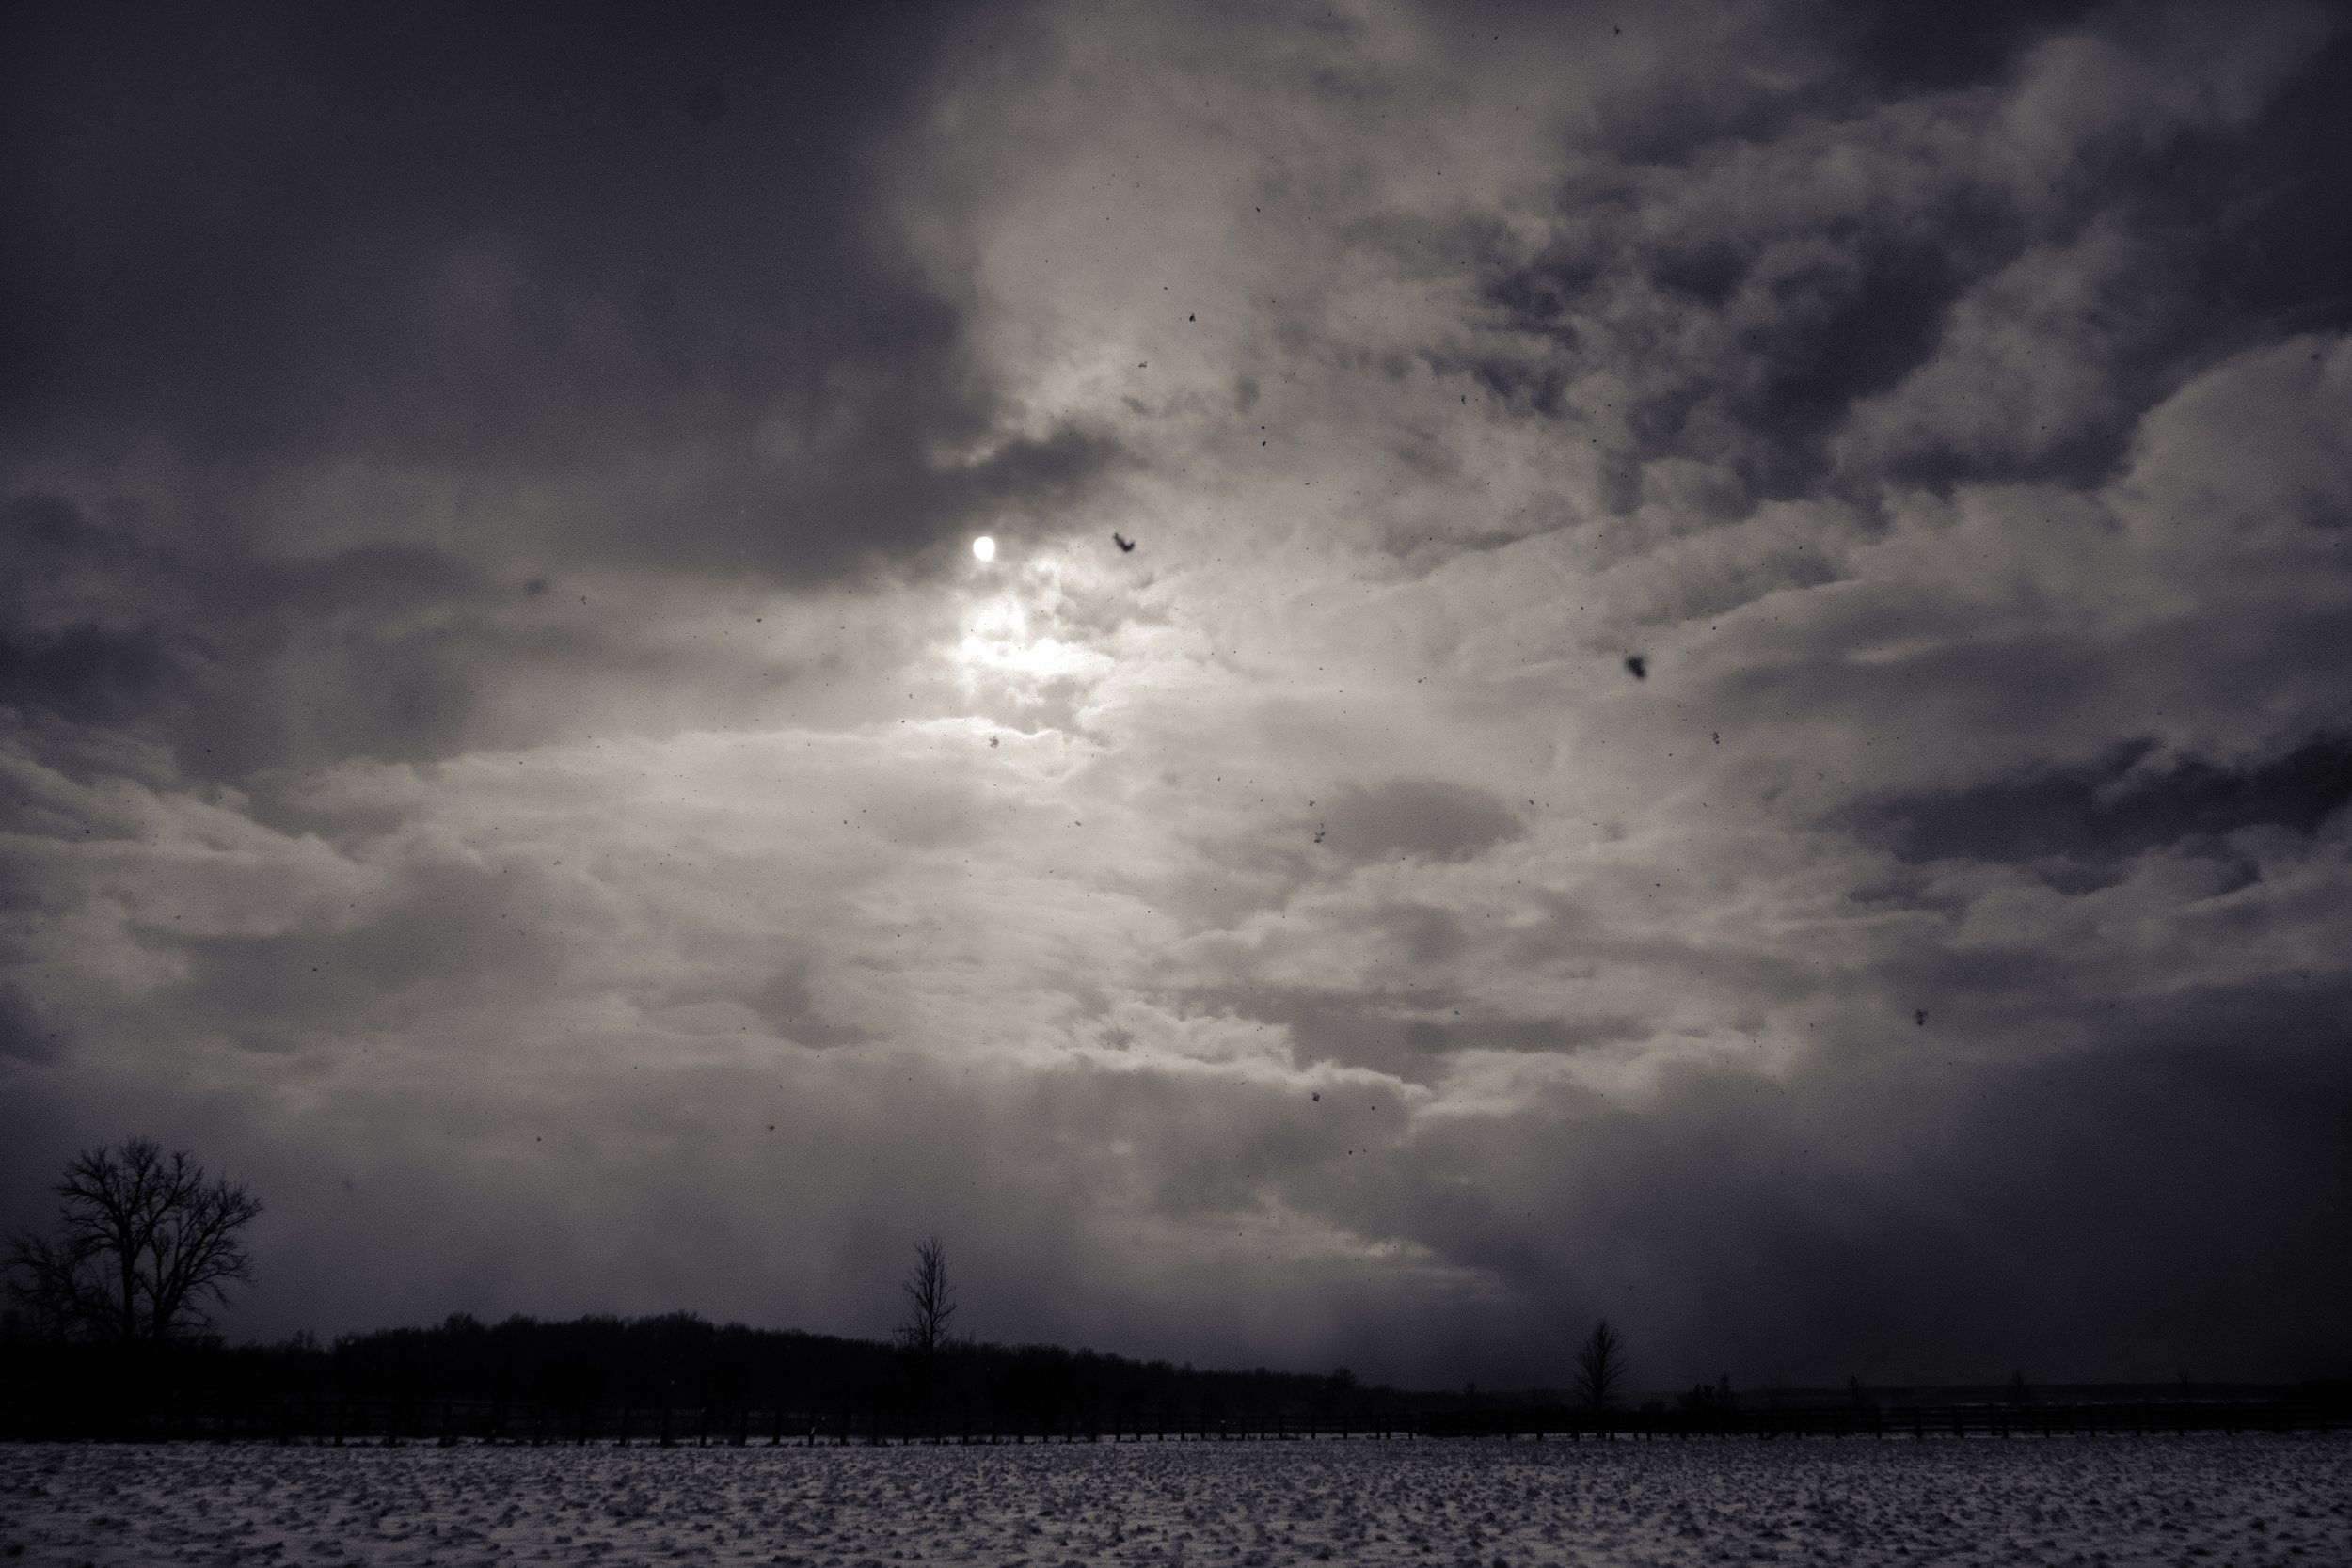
(1124, 544)
(1637, 666)
(1920, 1017)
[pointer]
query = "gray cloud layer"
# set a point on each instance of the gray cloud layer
(505, 744)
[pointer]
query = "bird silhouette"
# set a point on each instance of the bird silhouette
(1920, 1017)
(1637, 666)
(1124, 544)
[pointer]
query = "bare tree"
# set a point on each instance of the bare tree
(930, 1301)
(144, 1244)
(1599, 1365)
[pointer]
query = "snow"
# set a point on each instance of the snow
(2114, 1501)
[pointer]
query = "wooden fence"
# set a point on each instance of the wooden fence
(452, 1421)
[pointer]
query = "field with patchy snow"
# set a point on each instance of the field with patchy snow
(2116, 1500)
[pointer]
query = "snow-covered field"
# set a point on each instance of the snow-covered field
(2115, 1500)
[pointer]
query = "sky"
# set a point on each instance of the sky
(1730, 709)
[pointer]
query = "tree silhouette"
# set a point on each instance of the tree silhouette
(1599, 1365)
(930, 1301)
(144, 1242)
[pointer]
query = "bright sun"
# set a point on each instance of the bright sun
(984, 548)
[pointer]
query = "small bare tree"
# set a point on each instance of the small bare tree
(931, 1300)
(1599, 1365)
(144, 1244)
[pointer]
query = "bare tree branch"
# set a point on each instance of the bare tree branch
(143, 1244)
(931, 1300)
(195, 1257)
(1599, 1365)
(52, 1276)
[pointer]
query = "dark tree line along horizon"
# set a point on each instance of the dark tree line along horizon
(118, 1297)
(146, 1243)
(563, 1373)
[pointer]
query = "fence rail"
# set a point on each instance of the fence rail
(391, 1421)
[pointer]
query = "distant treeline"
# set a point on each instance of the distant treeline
(602, 1372)
(680, 1379)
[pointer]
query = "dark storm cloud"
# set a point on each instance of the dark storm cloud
(1894, 53)
(1432, 817)
(2125, 804)
(786, 1003)
(26, 1034)
(628, 256)
(1359, 1031)
(89, 674)
(437, 936)
(1412, 1038)
(86, 636)
(2115, 1210)
(116, 620)
(1755, 335)
(320, 334)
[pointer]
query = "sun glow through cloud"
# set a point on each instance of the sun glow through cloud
(1002, 640)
